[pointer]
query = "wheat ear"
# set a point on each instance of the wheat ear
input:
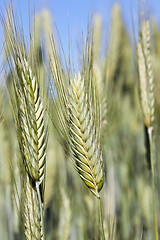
(32, 141)
(33, 130)
(76, 105)
(84, 137)
(146, 84)
(78, 128)
(30, 125)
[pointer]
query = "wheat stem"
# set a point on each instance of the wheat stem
(150, 133)
(41, 210)
(101, 219)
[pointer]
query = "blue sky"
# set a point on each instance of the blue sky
(78, 12)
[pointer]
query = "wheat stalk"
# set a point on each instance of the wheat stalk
(30, 210)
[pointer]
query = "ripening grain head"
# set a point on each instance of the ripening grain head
(146, 84)
(76, 107)
(30, 124)
(84, 136)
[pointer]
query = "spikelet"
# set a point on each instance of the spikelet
(84, 137)
(146, 84)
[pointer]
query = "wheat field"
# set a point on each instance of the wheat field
(79, 146)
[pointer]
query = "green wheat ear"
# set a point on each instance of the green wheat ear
(76, 107)
(32, 138)
(84, 137)
(146, 83)
(27, 103)
(30, 124)
(31, 115)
